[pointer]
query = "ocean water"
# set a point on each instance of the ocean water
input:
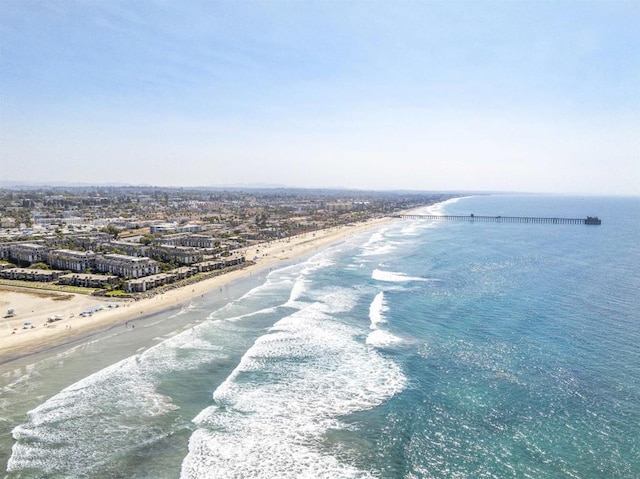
(418, 350)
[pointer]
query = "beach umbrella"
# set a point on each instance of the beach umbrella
(27, 323)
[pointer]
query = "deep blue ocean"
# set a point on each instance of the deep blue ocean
(421, 349)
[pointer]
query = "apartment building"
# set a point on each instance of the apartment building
(66, 259)
(130, 249)
(190, 240)
(177, 254)
(28, 252)
(127, 266)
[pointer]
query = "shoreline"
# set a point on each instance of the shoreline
(18, 341)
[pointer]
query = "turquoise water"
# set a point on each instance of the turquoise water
(419, 350)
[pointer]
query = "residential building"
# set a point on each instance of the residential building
(174, 228)
(28, 252)
(28, 274)
(191, 240)
(127, 266)
(66, 259)
(130, 249)
(177, 254)
(88, 280)
(140, 285)
(4, 250)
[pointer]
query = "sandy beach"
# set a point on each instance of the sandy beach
(28, 331)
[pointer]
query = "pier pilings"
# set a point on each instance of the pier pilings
(589, 220)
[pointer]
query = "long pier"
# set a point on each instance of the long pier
(589, 220)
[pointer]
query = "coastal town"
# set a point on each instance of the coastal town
(77, 261)
(123, 241)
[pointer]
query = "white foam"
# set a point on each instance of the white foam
(411, 230)
(288, 390)
(297, 291)
(239, 317)
(108, 413)
(334, 299)
(263, 297)
(393, 277)
(380, 250)
(378, 244)
(67, 434)
(377, 308)
(375, 238)
(381, 338)
(438, 208)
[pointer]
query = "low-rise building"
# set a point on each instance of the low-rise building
(140, 285)
(69, 220)
(163, 228)
(127, 266)
(184, 272)
(88, 280)
(174, 228)
(221, 263)
(28, 274)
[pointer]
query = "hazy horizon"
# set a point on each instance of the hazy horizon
(423, 96)
(25, 185)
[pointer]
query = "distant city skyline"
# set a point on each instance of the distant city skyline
(429, 96)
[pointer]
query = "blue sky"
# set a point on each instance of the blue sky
(516, 96)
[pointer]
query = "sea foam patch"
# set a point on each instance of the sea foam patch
(377, 308)
(380, 337)
(378, 244)
(383, 339)
(394, 277)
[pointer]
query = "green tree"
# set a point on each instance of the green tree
(39, 266)
(112, 230)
